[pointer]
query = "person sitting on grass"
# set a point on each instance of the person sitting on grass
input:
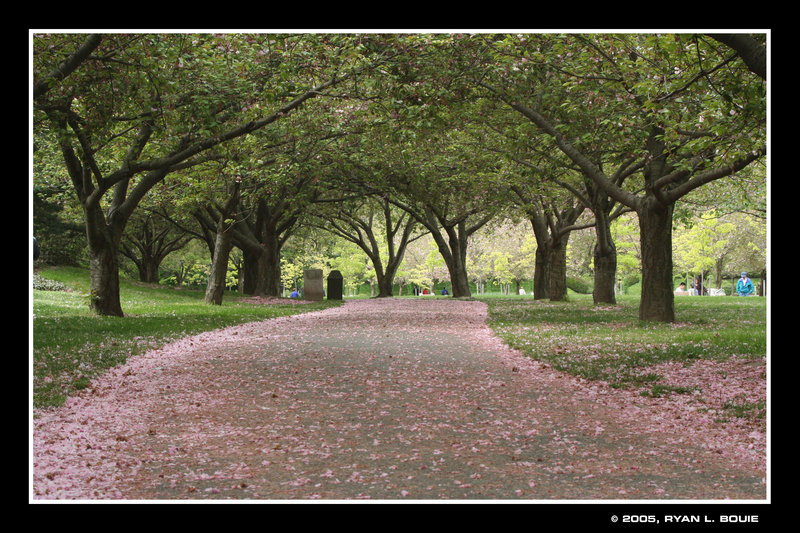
(681, 287)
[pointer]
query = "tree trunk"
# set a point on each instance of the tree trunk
(558, 270)
(261, 270)
(456, 267)
(149, 244)
(658, 300)
(103, 239)
(271, 273)
(148, 270)
(249, 273)
(550, 274)
(104, 275)
(460, 282)
(219, 265)
(655, 235)
(454, 252)
(386, 276)
(385, 286)
(222, 248)
(605, 275)
(605, 261)
(542, 257)
(552, 235)
(261, 242)
(541, 273)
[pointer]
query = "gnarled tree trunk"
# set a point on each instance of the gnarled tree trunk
(222, 249)
(605, 262)
(658, 300)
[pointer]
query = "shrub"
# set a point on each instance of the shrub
(44, 284)
(631, 279)
(579, 285)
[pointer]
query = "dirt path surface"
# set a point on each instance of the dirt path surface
(380, 399)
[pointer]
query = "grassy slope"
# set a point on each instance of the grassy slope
(609, 344)
(71, 345)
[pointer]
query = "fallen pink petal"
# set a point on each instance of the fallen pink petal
(387, 399)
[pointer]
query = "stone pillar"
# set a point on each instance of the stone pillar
(312, 283)
(335, 285)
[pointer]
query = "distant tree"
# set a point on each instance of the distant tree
(148, 240)
(381, 230)
(217, 278)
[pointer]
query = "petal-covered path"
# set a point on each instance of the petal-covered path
(384, 399)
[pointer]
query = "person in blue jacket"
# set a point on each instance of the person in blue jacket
(744, 287)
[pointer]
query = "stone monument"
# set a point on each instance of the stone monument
(335, 285)
(312, 283)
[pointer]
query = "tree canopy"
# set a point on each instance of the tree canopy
(449, 131)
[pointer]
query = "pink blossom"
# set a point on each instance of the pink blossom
(386, 397)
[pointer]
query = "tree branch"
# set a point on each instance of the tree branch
(751, 51)
(710, 175)
(68, 66)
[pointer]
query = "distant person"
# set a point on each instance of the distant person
(698, 285)
(681, 287)
(444, 292)
(425, 291)
(35, 249)
(294, 294)
(522, 292)
(744, 287)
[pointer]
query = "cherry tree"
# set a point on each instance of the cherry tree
(128, 110)
(684, 106)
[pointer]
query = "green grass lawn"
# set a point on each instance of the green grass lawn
(71, 345)
(610, 343)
